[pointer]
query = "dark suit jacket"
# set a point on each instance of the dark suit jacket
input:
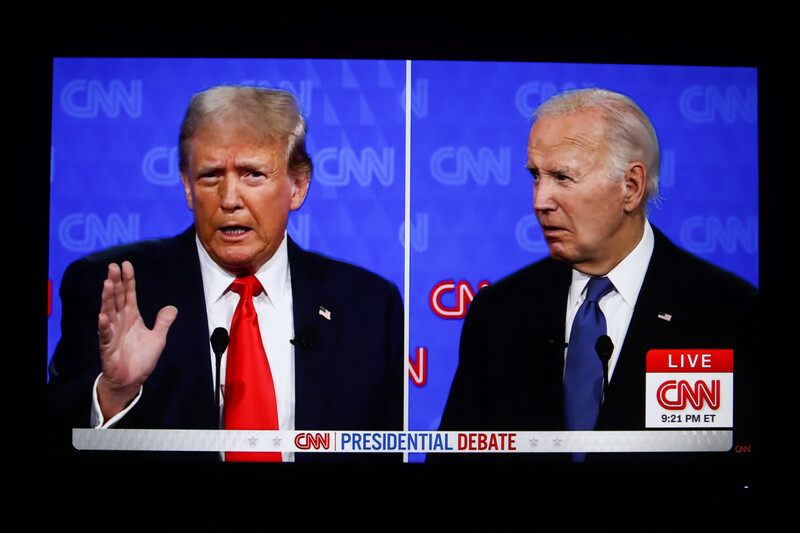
(349, 376)
(511, 361)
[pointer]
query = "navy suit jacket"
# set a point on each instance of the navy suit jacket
(511, 357)
(348, 370)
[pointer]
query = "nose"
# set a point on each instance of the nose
(543, 196)
(229, 194)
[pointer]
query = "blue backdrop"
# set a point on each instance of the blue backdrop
(114, 175)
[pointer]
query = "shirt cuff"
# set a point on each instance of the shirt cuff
(97, 421)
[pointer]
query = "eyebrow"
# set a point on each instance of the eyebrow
(553, 172)
(206, 169)
(245, 164)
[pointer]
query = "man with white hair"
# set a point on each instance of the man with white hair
(313, 343)
(562, 343)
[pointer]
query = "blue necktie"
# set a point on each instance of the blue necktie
(583, 376)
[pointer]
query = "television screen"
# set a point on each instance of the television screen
(422, 176)
(435, 198)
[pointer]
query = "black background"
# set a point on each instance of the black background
(756, 486)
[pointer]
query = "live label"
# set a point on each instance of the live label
(689, 388)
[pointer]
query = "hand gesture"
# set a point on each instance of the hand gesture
(128, 349)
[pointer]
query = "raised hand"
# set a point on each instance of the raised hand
(128, 349)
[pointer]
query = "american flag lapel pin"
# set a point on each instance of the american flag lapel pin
(324, 313)
(665, 316)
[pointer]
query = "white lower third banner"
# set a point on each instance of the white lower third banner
(403, 441)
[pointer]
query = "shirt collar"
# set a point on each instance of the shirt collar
(627, 276)
(273, 275)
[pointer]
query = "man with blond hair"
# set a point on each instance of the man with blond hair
(137, 349)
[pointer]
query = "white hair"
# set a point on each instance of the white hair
(629, 135)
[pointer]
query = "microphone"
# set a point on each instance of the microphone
(305, 341)
(219, 343)
(604, 348)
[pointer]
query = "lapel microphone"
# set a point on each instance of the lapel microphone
(560, 345)
(219, 343)
(306, 341)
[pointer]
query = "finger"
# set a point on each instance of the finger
(115, 275)
(108, 298)
(129, 285)
(103, 328)
(164, 320)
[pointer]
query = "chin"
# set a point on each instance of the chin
(557, 252)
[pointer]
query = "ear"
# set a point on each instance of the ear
(635, 187)
(300, 190)
(187, 185)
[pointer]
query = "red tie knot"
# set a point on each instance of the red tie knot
(247, 287)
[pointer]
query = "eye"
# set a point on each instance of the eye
(562, 177)
(208, 177)
(254, 176)
(534, 174)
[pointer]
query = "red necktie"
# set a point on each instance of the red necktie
(249, 392)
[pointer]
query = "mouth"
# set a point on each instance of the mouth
(233, 232)
(551, 231)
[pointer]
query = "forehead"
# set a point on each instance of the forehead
(581, 132)
(227, 138)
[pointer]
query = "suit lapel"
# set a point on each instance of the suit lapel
(651, 326)
(539, 370)
(315, 338)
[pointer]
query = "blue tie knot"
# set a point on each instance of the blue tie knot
(598, 287)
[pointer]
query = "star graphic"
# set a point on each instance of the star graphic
(253, 441)
(276, 442)
(534, 442)
(556, 442)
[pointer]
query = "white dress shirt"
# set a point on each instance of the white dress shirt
(275, 321)
(617, 306)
